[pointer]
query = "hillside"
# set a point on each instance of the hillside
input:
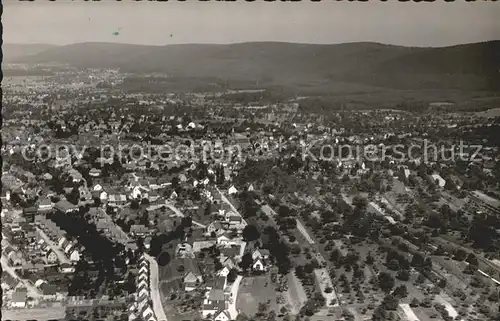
(464, 67)
(13, 51)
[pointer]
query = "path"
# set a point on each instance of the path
(155, 288)
(296, 293)
(452, 312)
(303, 231)
(324, 281)
(234, 295)
(54, 247)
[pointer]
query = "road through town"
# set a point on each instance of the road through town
(55, 248)
(32, 290)
(155, 288)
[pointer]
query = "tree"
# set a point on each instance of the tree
(460, 255)
(163, 259)
(403, 275)
(250, 233)
(417, 260)
(369, 259)
(401, 291)
(428, 264)
(246, 261)
(390, 302)
(379, 314)
(233, 274)
(134, 204)
(493, 297)
(385, 281)
(472, 259)
(186, 221)
(393, 265)
(414, 303)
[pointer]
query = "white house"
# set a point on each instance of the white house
(66, 268)
(258, 265)
(223, 272)
(68, 248)
(143, 270)
(222, 316)
(440, 181)
(62, 241)
(223, 240)
(232, 190)
(74, 256)
(139, 191)
(94, 172)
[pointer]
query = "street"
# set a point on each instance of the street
(60, 254)
(155, 291)
(32, 290)
(234, 295)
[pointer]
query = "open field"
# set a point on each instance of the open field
(255, 290)
(33, 314)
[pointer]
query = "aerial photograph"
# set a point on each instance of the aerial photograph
(250, 161)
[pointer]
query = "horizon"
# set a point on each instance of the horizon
(325, 23)
(247, 42)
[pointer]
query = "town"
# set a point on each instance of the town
(237, 213)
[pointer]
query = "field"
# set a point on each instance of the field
(255, 290)
(33, 314)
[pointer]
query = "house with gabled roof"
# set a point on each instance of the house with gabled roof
(232, 190)
(222, 316)
(260, 254)
(192, 280)
(148, 314)
(224, 272)
(215, 301)
(66, 207)
(223, 240)
(45, 205)
(258, 265)
(184, 250)
(74, 255)
(50, 257)
(227, 262)
(139, 230)
(215, 227)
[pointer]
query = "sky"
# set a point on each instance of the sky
(327, 22)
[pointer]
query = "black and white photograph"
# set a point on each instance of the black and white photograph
(250, 160)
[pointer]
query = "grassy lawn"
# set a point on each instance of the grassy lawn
(255, 290)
